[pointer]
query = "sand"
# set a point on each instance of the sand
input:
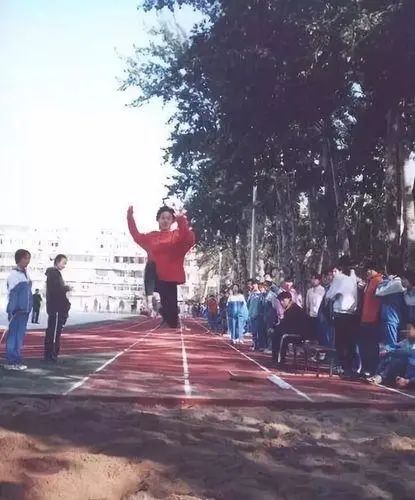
(97, 451)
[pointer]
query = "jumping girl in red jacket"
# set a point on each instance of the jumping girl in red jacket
(166, 250)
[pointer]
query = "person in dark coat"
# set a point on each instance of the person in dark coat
(294, 322)
(57, 306)
(37, 302)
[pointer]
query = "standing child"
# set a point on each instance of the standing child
(223, 301)
(19, 306)
(343, 293)
(57, 306)
(212, 313)
(37, 302)
(370, 332)
(254, 301)
(391, 291)
(237, 315)
(314, 298)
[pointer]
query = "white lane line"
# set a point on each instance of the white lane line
(391, 389)
(187, 386)
(275, 379)
(81, 382)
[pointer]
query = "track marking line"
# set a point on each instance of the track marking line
(273, 378)
(392, 389)
(81, 382)
(186, 384)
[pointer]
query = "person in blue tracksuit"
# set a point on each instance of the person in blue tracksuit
(254, 305)
(391, 291)
(19, 306)
(237, 315)
(273, 312)
(262, 330)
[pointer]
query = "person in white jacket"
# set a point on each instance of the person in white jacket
(314, 298)
(343, 293)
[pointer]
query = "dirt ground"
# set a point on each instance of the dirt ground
(95, 451)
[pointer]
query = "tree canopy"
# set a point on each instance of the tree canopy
(312, 101)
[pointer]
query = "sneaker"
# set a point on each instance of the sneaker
(9, 366)
(377, 379)
(21, 367)
(267, 351)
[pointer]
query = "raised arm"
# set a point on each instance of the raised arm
(186, 235)
(140, 238)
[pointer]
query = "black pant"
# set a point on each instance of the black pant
(56, 322)
(345, 326)
(315, 329)
(35, 315)
(168, 298)
(150, 278)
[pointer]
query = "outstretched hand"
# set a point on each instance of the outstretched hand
(130, 211)
(181, 213)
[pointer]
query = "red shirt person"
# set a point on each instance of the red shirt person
(167, 249)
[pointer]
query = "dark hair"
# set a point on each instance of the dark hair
(284, 295)
(21, 254)
(374, 265)
(411, 322)
(236, 284)
(344, 264)
(59, 257)
(163, 209)
(316, 276)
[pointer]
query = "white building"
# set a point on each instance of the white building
(104, 267)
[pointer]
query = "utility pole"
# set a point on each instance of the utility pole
(253, 233)
(220, 261)
(220, 269)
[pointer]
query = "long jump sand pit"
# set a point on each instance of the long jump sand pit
(91, 450)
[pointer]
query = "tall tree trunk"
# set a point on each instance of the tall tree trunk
(408, 205)
(342, 239)
(393, 194)
(243, 250)
(321, 259)
(329, 205)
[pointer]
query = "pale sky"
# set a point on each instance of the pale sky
(71, 153)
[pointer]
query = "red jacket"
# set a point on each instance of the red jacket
(371, 303)
(166, 249)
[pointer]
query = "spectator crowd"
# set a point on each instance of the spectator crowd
(365, 316)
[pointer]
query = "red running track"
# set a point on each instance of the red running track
(192, 366)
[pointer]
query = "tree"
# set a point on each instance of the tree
(294, 96)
